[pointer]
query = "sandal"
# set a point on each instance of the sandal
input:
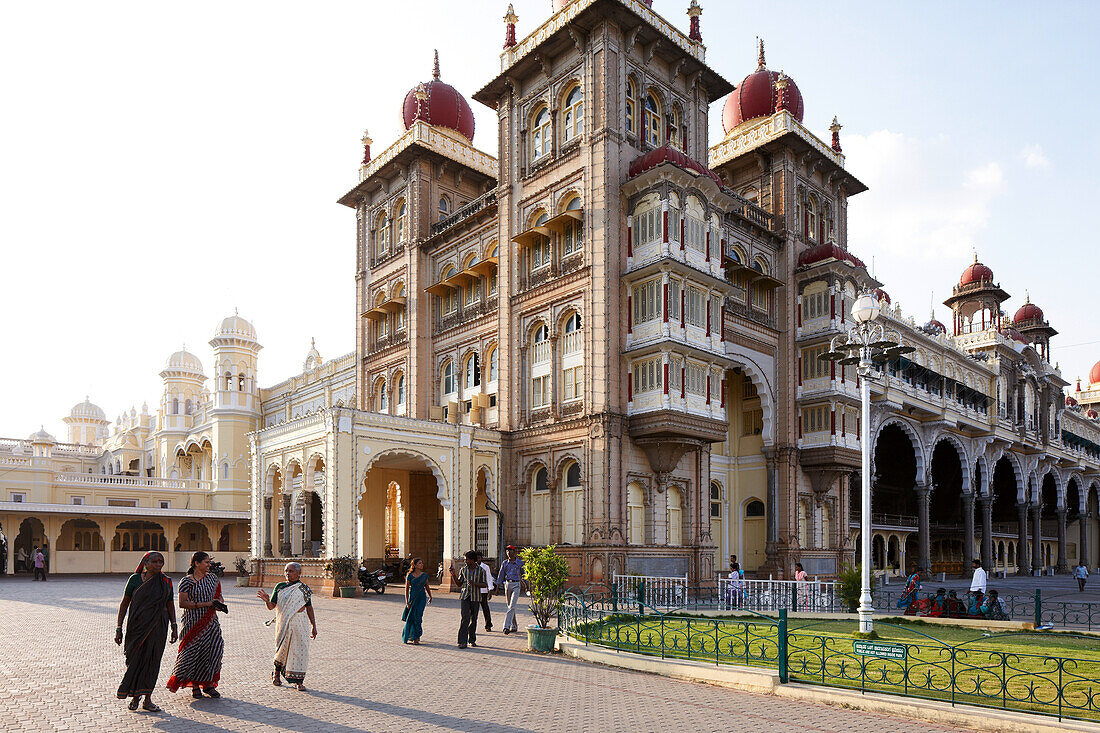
(300, 687)
(212, 693)
(134, 703)
(196, 693)
(150, 706)
(275, 679)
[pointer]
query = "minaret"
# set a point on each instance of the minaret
(235, 409)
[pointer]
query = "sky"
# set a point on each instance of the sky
(163, 164)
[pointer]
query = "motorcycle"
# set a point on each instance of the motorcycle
(217, 568)
(374, 580)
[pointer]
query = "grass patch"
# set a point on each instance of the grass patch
(1045, 672)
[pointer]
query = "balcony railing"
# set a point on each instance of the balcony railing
(573, 342)
(131, 482)
(542, 352)
(465, 212)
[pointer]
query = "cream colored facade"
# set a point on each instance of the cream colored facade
(174, 480)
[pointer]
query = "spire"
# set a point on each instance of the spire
(694, 11)
(835, 129)
(366, 146)
(510, 27)
(435, 71)
(760, 54)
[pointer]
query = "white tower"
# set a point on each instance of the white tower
(87, 423)
(235, 409)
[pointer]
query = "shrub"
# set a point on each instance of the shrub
(343, 570)
(849, 584)
(242, 564)
(546, 573)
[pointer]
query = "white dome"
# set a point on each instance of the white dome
(183, 361)
(42, 436)
(236, 327)
(87, 410)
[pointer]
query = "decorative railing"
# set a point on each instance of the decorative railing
(1054, 675)
(465, 212)
(132, 482)
(541, 352)
(652, 590)
(573, 343)
(772, 595)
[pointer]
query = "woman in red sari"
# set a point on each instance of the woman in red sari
(199, 663)
(148, 599)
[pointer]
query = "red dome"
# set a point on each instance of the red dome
(1013, 334)
(934, 325)
(976, 273)
(882, 295)
(562, 4)
(442, 106)
(825, 251)
(669, 154)
(1028, 312)
(757, 96)
(1094, 374)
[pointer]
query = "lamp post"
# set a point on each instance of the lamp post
(865, 346)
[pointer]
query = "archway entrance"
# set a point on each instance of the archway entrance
(946, 510)
(400, 514)
(32, 533)
(895, 475)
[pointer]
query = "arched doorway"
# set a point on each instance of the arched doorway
(192, 537)
(1048, 514)
(1006, 497)
(399, 506)
(945, 510)
(895, 474)
(32, 534)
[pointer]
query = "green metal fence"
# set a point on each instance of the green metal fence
(994, 671)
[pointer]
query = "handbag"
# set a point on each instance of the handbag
(405, 614)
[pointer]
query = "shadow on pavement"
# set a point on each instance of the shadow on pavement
(447, 722)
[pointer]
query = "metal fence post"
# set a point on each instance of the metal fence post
(641, 597)
(782, 654)
(794, 598)
(1038, 607)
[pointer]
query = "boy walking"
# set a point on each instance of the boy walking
(472, 581)
(488, 591)
(510, 575)
(1081, 573)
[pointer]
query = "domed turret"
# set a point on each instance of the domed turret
(235, 327)
(935, 326)
(87, 423)
(976, 273)
(87, 410)
(438, 104)
(758, 96)
(41, 436)
(1028, 312)
(1094, 375)
(183, 361)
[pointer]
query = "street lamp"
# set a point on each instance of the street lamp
(865, 346)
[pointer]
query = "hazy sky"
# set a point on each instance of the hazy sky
(164, 163)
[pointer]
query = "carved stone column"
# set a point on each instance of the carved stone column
(968, 528)
(985, 503)
(307, 527)
(924, 496)
(284, 546)
(1022, 567)
(1036, 539)
(266, 519)
(1063, 561)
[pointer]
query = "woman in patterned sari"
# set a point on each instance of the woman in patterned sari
(148, 599)
(292, 599)
(199, 663)
(912, 590)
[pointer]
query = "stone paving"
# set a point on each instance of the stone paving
(59, 668)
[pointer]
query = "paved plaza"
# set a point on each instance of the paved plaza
(60, 667)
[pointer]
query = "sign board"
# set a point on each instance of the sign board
(879, 649)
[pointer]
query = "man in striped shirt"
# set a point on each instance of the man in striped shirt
(472, 581)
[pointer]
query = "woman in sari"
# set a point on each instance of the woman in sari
(148, 598)
(800, 587)
(417, 596)
(912, 590)
(199, 663)
(292, 598)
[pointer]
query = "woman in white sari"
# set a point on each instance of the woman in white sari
(292, 599)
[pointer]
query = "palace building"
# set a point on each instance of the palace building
(608, 338)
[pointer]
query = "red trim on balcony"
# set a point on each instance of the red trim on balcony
(832, 306)
(683, 302)
(629, 240)
(798, 312)
(683, 382)
(722, 386)
(708, 387)
(832, 421)
(629, 385)
(664, 301)
(800, 370)
(681, 234)
(666, 376)
(800, 426)
(708, 245)
(630, 313)
(832, 370)
(664, 224)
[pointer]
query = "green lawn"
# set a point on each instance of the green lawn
(1015, 671)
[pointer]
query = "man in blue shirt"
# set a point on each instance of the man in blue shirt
(510, 577)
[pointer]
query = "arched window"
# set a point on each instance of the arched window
(473, 372)
(175, 406)
(399, 223)
(540, 507)
(542, 344)
(540, 368)
(572, 334)
(676, 131)
(635, 518)
(494, 364)
(652, 120)
(754, 508)
(447, 385)
(450, 298)
(399, 388)
(382, 236)
(675, 517)
(540, 134)
(572, 234)
(240, 382)
(225, 470)
(187, 407)
(493, 277)
(572, 506)
(574, 114)
(715, 500)
(631, 107)
(228, 381)
(810, 220)
(399, 315)
(381, 401)
(444, 207)
(540, 247)
(473, 289)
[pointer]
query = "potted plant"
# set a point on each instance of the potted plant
(849, 585)
(342, 570)
(546, 573)
(243, 571)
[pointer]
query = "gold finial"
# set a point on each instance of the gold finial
(760, 53)
(421, 92)
(835, 127)
(366, 138)
(435, 70)
(694, 10)
(511, 16)
(782, 81)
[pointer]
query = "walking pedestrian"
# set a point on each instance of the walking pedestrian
(979, 579)
(489, 585)
(39, 564)
(417, 596)
(1081, 572)
(472, 582)
(148, 600)
(510, 576)
(800, 586)
(20, 560)
(199, 662)
(292, 598)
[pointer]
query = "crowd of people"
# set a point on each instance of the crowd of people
(980, 602)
